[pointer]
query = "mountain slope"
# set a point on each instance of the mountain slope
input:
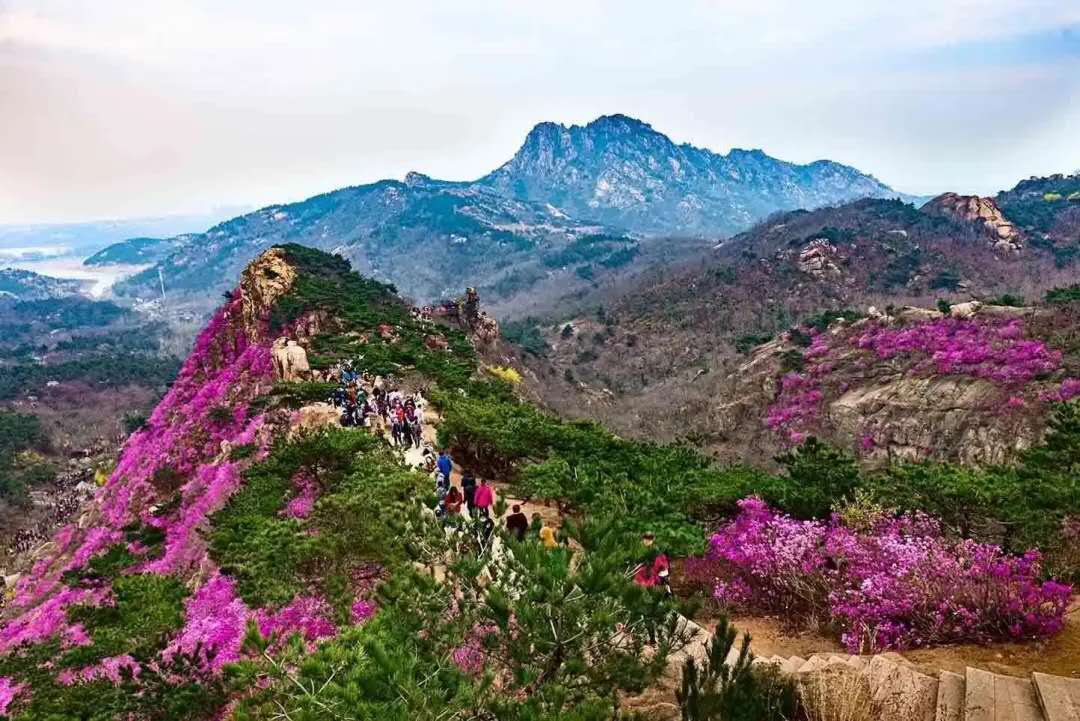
(615, 177)
(135, 251)
(26, 285)
(429, 238)
(245, 541)
(249, 558)
(619, 171)
(675, 337)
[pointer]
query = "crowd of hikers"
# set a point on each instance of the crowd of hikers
(54, 503)
(373, 402)
(474, 504)
(376, 403)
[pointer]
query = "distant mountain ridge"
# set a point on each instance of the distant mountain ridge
(620, 171)
(91, 236)
(531, 221)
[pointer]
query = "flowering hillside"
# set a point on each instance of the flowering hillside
(243, 563)
(252, 559)
(976, 387)
(137, 608)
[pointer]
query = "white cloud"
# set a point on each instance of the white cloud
(115, 107)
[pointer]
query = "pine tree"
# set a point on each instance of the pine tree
(732, 691)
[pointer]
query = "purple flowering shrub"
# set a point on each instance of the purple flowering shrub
(8, 690)
(997, 351)
(471, 656)
(307, 492)
(900, 584)
(187, 434)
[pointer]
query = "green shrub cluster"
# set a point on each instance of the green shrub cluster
(357, 307)
(526, 334)
(362, 487)
(19, 433)
(638, 486)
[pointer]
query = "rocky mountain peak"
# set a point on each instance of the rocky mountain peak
(414, 179)
(267, 278)
(984, 213)
(620, 171)
(620, 123)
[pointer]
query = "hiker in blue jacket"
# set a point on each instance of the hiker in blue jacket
(445, 464)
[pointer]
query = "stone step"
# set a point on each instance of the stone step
(859, 663)
(1059, 696)
(812, 664)
(776, 661)
(991, 697)
(950, 698)
(978, 695)
(901, 692)
(793, 664)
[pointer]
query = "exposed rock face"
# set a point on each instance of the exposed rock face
(313, 418)
(485, 330)
(915, 418)
(898, 407)
(982, 212)
(265, 280)
(817, 258)
(290, 361)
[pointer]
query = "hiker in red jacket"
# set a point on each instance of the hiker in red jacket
(655, 568)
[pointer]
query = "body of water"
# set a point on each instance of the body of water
(99, 279)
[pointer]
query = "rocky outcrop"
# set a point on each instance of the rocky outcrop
(907, 418)
(984, 213)
(290, 361)
(818, 259)
(314, 417)
(912, 402)
(265, 279)
(485, 331)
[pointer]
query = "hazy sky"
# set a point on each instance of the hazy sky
(114, 108)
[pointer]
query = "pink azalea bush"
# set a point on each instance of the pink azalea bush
(900, 585)
(8, 691)
(308, 616)
(471, 655)
(215, 624)
(206, 492)
(1069, 389)
(110, 669)
(363, 610)
(997, 351)
(307, 492)
(798, 403)
(48, 619)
